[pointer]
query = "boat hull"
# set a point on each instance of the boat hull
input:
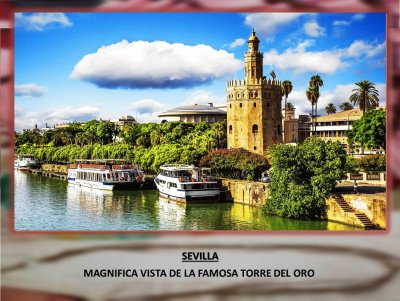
(190, 196)
(107, 185)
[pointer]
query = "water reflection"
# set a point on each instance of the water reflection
(43, 203)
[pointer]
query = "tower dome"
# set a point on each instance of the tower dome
(253, 37)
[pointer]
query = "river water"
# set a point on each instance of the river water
(43, 203)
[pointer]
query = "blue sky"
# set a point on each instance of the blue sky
(80, 66)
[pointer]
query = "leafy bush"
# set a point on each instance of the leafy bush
(302, 176)
(372, 163)
(236, 164)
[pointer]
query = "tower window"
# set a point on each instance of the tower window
(240, 105)
(230, 129)
(230, 105)
(278, 128)
(243, 95)
(254, 129)
(255, 148)
(255, 94)
(254, 105)
(238, 96)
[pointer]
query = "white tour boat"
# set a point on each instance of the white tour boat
(24, 162)
(186, 183)
(105, 174)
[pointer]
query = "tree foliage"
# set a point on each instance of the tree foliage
(346, 106)
(236, 163)
(369, 131)
(149, 145)
(330, 108)
(302, 176)
(366, 96)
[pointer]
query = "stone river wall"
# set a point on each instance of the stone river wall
(245, 192)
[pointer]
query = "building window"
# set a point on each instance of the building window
(230, 105)
(267, 104)
(238, 96)
(256, 94)
(240, 105)
(243, 95)
(255, 148)
(254, 105)
(230, 129)
(254, 129)
(279, 129)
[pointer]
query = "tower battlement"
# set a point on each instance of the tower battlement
(259, 81)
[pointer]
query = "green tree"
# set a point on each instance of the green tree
(366, 96)
(369, 131)
(315, 83)
(290, 106)
(286, 88)
(330, 109)
(346, 106)
(235, 163)
(302, 176)
(312, 94)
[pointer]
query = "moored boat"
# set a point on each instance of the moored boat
(24, 161)
(105, 174)
(186, 183)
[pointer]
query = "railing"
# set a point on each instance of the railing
(356, 177)
(373, 176)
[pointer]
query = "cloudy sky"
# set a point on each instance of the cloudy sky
(80, 66)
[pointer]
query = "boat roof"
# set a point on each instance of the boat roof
(104, 161)
(182, 167)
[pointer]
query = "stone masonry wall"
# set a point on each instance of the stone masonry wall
(246, 192)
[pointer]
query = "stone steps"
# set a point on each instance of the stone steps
(365, 220)
(367, 223)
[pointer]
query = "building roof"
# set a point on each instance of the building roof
(353, 114)
(193, 110)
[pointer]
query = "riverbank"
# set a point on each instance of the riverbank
(365, 209)
(47, 203)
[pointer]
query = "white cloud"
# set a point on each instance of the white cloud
(266, 24)
(144, 106)
(25, 119)
(29, 90)
(159, 64)
(326, 62)
(300, 61)
(41, 21)
(203, 97)
(354, 18)
(358, 17)
(313, 29)
(359, 48)
(341, 23)
(237, 42)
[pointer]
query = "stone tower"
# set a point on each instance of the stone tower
(254, 112)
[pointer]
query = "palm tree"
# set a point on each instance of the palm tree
(346, 106)
(330, 108)
(287, 88)
(290, 106)
(365, 96)
(312, 94)
(316, 81)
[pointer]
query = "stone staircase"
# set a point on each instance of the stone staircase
(367, 223)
